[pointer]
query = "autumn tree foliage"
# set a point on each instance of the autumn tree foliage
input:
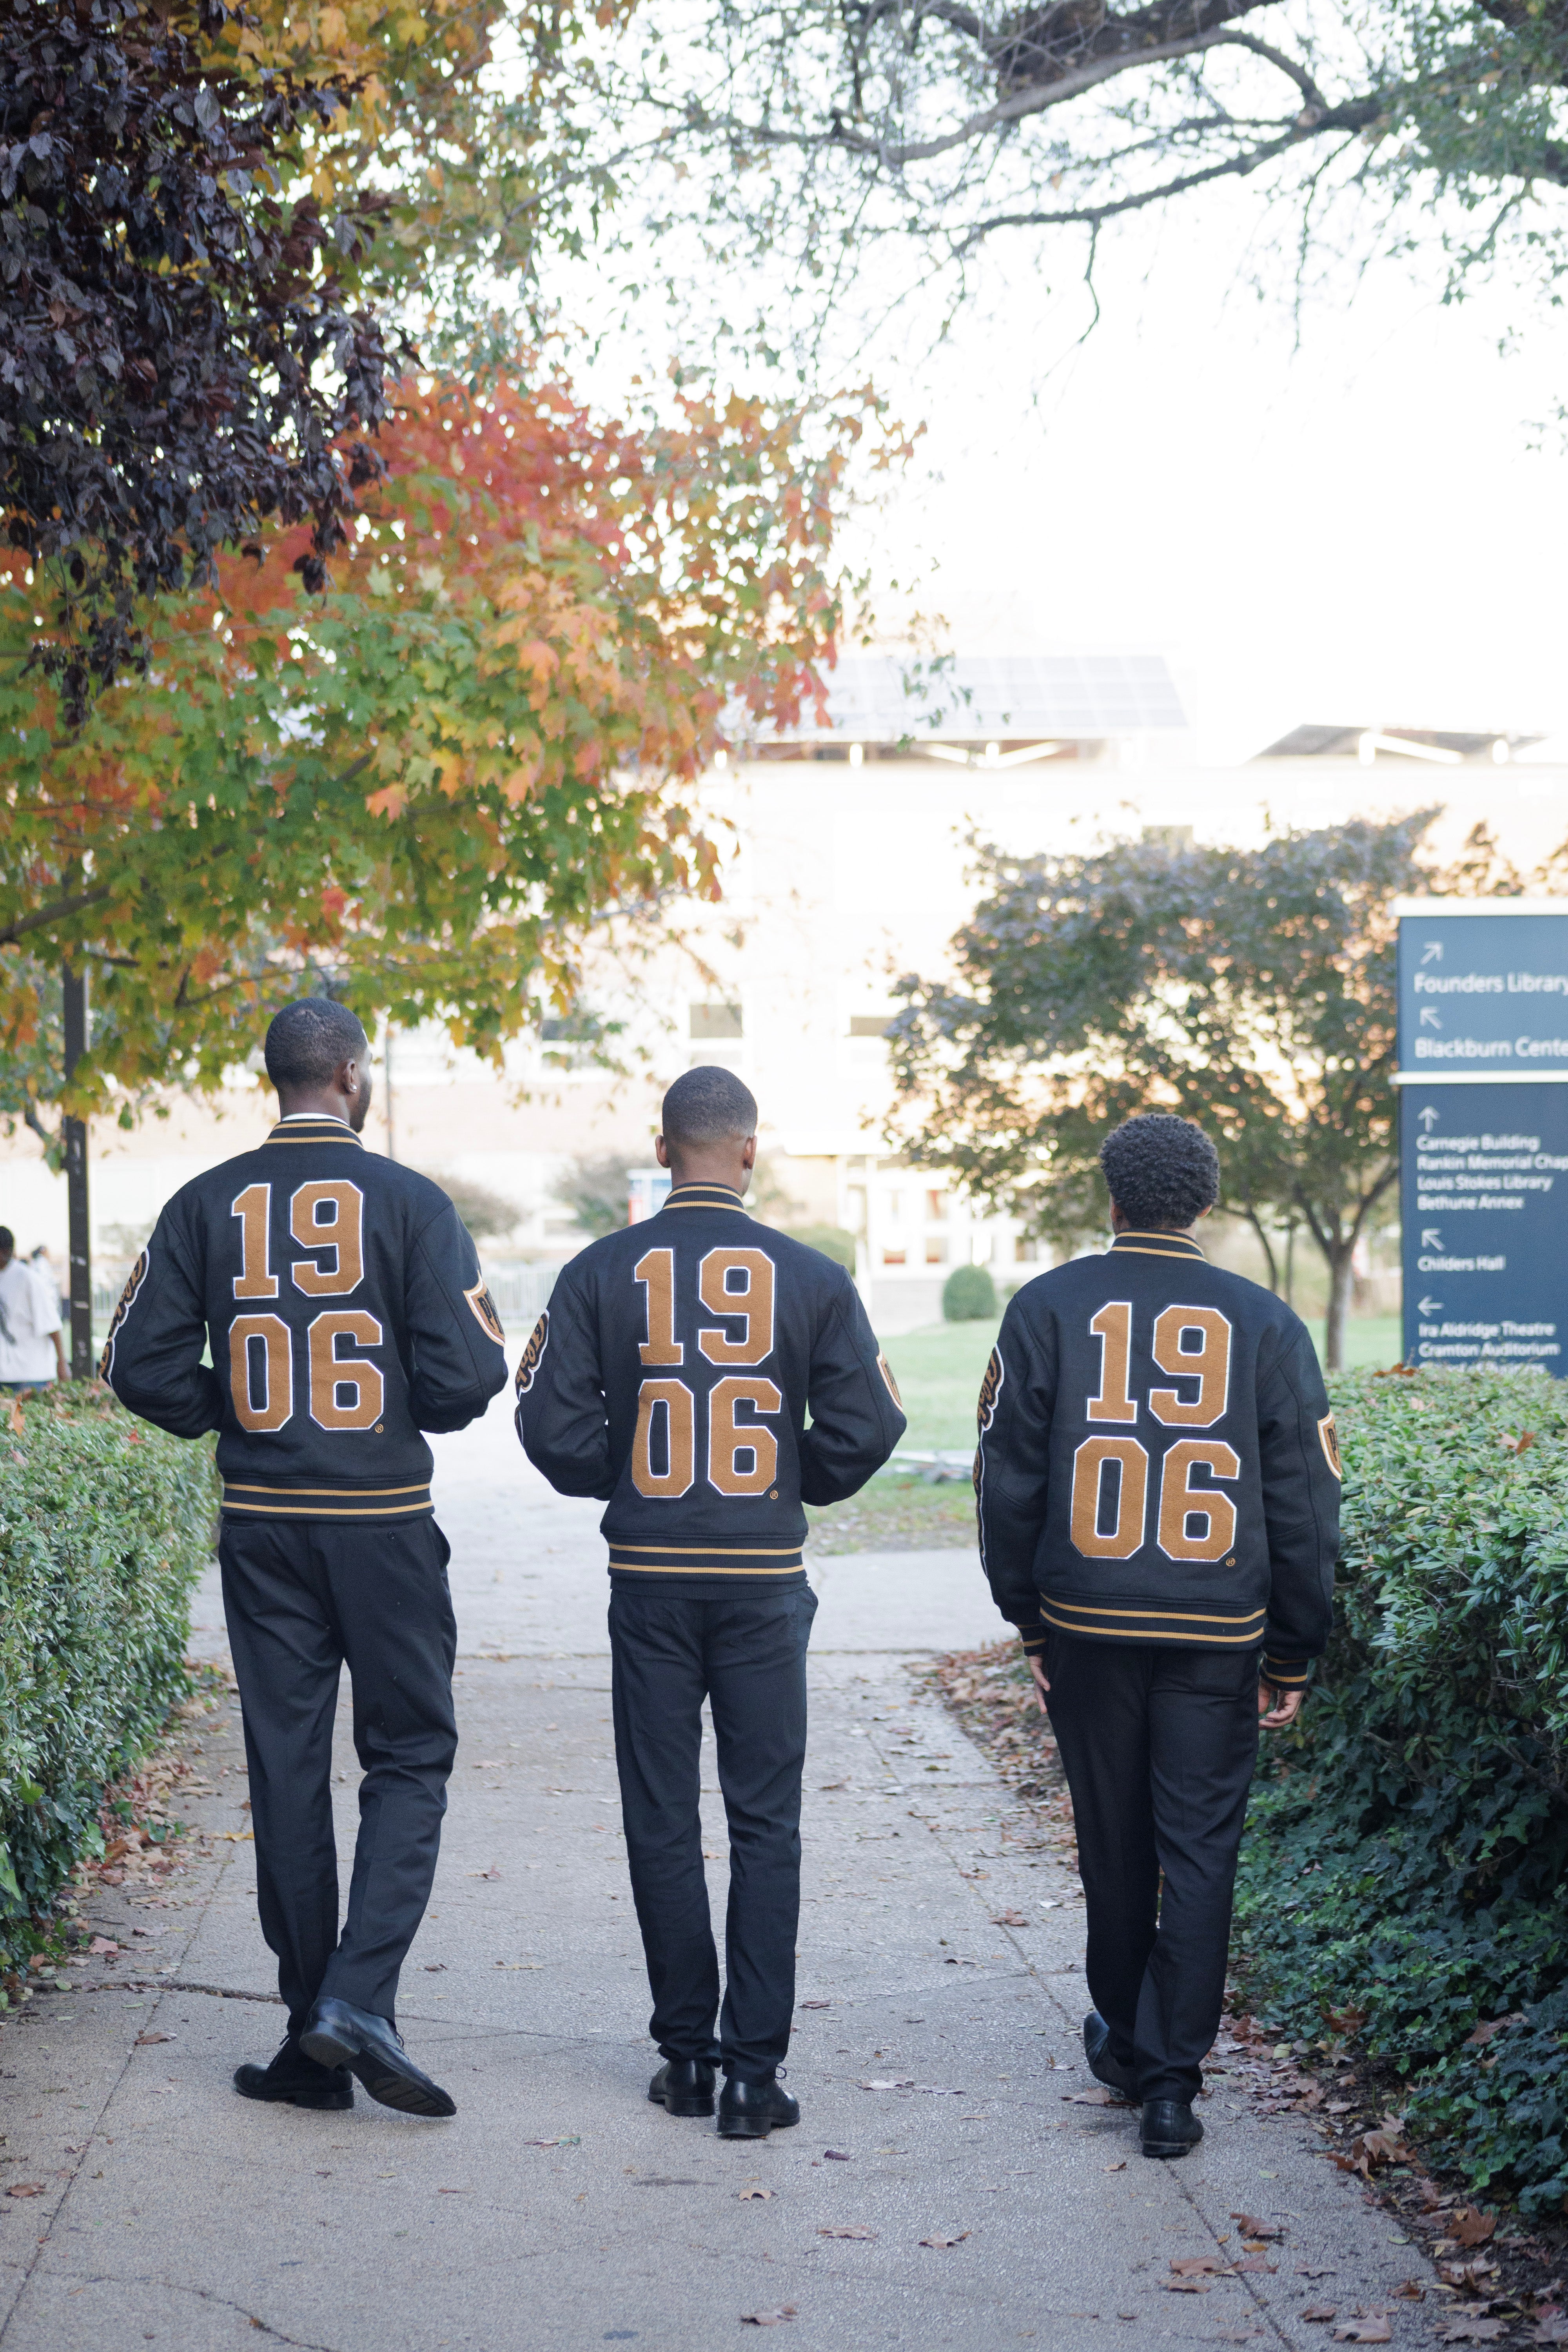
(181, 358)
(426, 784)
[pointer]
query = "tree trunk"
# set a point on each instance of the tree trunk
(1256, 1222)
(1339, 1305)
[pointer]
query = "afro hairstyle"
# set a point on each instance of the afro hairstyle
(1161, 1171)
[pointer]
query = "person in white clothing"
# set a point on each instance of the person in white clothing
(32, 1353)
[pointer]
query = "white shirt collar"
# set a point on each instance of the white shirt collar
(290, 1116)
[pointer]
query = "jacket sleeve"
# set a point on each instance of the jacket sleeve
(856, 1417)
(1299, 1457)
(562, 1418)
(456, 1343)
(153, 1356)
(1011, 1469)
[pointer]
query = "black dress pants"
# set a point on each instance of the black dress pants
(747, 1657)
(300, 1597)
(1159, 1747)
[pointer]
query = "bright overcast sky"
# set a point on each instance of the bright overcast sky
(1354, 529)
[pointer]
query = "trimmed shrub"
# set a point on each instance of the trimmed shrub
(1405, 1875)
(833, 1241)
(969, 1295)
(105, 1524)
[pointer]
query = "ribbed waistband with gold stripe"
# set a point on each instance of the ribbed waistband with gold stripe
(705, 1559)
(264, 1499)
(1198, 1628)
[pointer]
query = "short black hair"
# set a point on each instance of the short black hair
(7, 1241)
(709, 1105)
(308, 1041)
(1162, 1170)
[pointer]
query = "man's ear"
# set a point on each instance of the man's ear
(749, 1152)
(661, 1151)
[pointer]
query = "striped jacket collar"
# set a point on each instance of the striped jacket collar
(704, 1196)
(313, 1129)
(1158, 1245)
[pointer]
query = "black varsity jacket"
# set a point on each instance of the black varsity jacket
(342, 1298)
(671, 1374)
(1157, 1460)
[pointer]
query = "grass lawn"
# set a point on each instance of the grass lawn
(938, 1371)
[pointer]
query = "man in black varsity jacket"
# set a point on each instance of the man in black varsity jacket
(345, 1312)
(670, 1376)
(1158, 1489)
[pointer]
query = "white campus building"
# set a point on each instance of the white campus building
(846, 863)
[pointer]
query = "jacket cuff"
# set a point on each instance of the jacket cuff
(1286, 1673)
(1033, 1636)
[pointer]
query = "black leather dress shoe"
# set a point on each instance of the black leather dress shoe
(683, 2086)
(296, 2079)
(1102, 2065)
(1169, 2127)
(337, 2034)
(752, 2110)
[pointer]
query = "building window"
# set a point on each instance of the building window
(936, 1207)
(716, 1020)
(895, 1206)
(936, 1253)
(894, 1257)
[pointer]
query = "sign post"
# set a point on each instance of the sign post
(1483, 1130)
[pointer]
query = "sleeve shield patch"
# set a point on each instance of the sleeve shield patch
(990, 1390)
(484, 1312)
(887, 1371)
(1327, 1437)
(127, 1300)
(529, 1362)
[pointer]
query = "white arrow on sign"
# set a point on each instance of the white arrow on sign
(1429, 1118)
(1429, 1239)
(1434, 953)
(1428, 1306)
(1429, 1019)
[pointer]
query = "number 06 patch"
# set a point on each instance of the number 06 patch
(528, 1362)
(1327, 1437)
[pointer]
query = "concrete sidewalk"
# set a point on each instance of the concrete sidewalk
(559, 2210)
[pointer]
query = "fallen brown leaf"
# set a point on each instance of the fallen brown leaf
(1119, 2166)
(1258, 2263)
(142, 2040)
(1186, 2285)
(25, 2189)
(902, 2083)
(1009, 1919)
(1363, 2331)
(1089, 2099)
(1470, 2227)
(1550, 2331)
(1462, 2330)
(1251, 2227)
(952, 2238)
(843, 2230)
(837, 2155)
(767, 2318)
(1195, 2265)
(1493, 2025)
(1412, 2290)
(755, 2195)
(104, 1948)
(1322, 2311)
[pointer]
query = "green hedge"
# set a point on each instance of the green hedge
(969, 1295)
(1404, 1877)
(105, 1524)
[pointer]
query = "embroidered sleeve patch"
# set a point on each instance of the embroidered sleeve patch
(529, 1362)
(887, 1371)
(127, 1300)
(1327, 1437)
(484, 1310)
(990, 1390)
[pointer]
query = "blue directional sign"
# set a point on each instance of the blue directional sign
(1484, 1207)
(1483, 991)
(1483, 1130)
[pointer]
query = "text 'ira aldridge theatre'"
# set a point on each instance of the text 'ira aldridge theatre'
(1483, 1080)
